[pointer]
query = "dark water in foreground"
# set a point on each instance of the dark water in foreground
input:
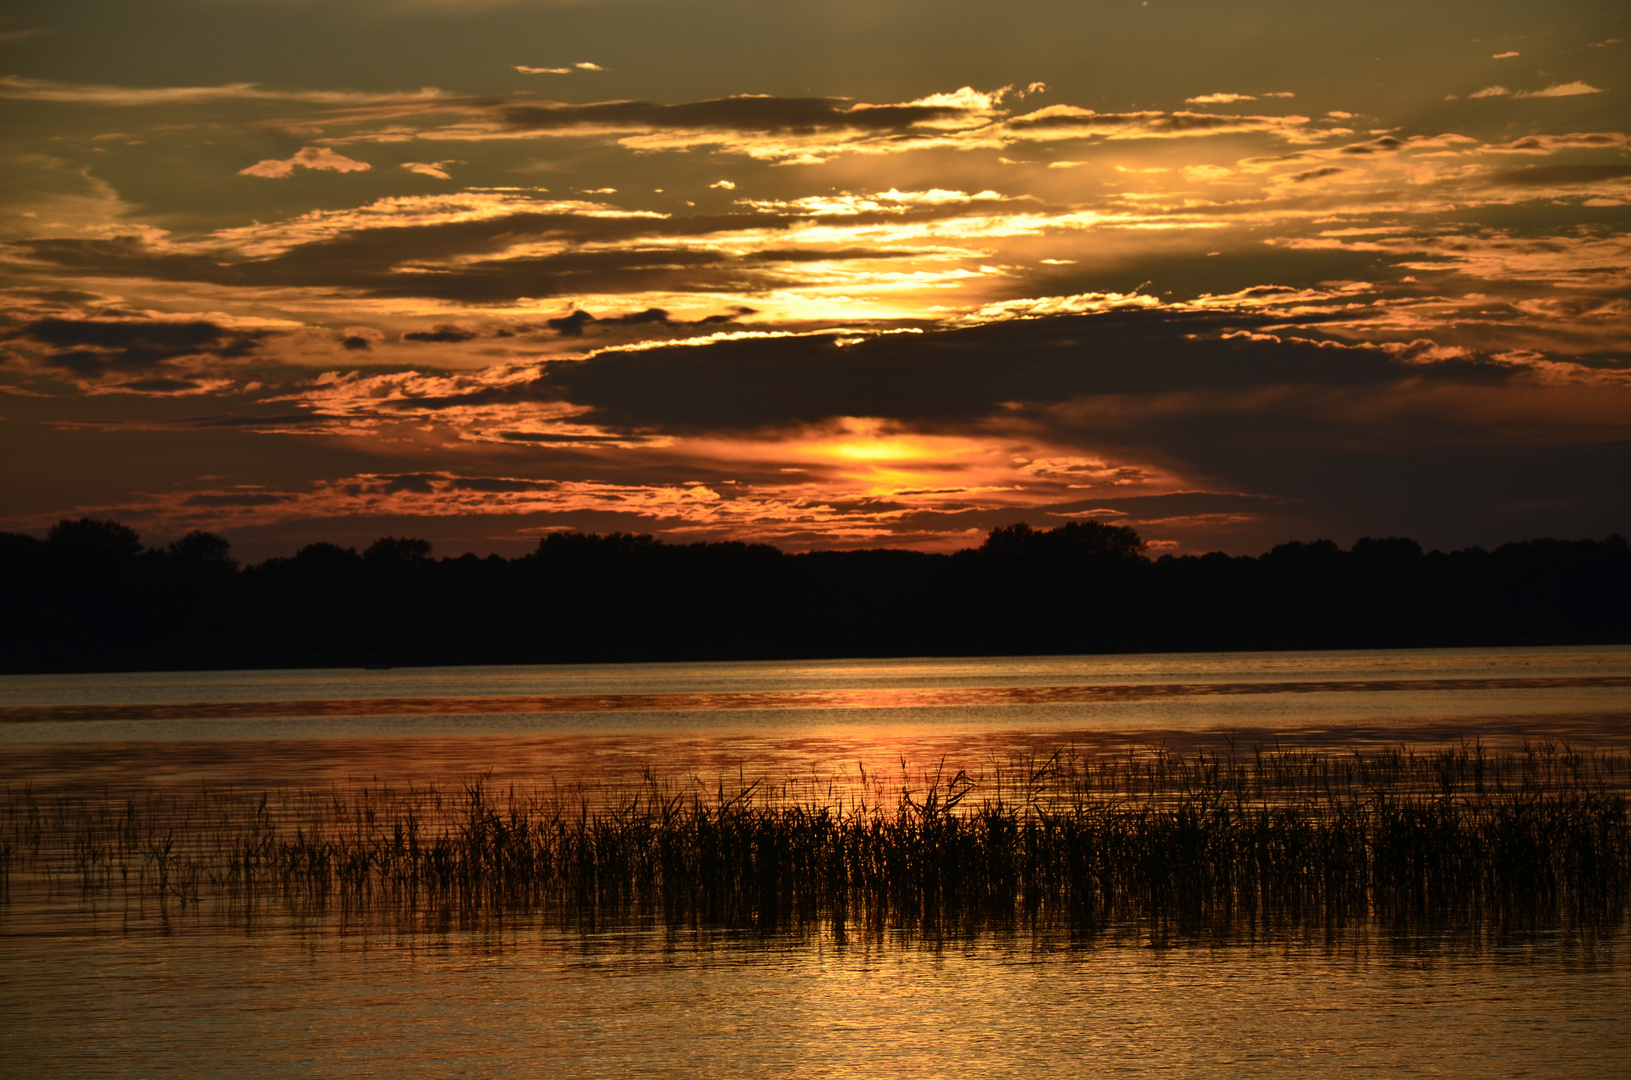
(117, 991)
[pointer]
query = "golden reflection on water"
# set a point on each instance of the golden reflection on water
(520, 1003)
(107, 991)
(771, 700)
(682, 754)
(612, 722)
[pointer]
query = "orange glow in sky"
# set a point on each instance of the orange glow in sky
(1224, 276)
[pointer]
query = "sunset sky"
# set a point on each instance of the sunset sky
(824, 274)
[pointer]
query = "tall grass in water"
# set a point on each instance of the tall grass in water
(1213, 842)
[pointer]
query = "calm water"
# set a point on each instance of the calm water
(523, 723)
(102, 993)
(200, 1005)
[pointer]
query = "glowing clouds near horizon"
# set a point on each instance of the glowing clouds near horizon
(842, 310)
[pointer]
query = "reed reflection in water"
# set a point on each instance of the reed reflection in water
(913, 884)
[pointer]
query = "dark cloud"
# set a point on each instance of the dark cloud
(573, 325)
(59, 298)
(544, 438)
(804, 255)
(1386, 144)
(1316, 174)
(1560, 175)
(365, 259)
(139, 344)
(575, 273)
(270, 420)
(642, 318)
(1279, 436)
(160, 386)
(1155, 123)
(1337, 478)
(1175, 504)
(749, 113)
(1074, 120)
(124, 256)
(499, 484)
(938, 377)
(237, 499)
(443, 333)
(93, 348)
(419, 483)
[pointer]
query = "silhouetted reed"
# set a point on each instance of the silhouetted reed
(1210, 843)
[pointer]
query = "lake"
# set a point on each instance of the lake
(107, 988)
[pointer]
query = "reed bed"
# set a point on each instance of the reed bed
(1213, 842)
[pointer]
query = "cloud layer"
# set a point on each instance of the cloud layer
(1228, 304)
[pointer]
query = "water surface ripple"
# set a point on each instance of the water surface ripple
(898, 698)
(151, 990)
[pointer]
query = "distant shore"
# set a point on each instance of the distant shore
(90, 597)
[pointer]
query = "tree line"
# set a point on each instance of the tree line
(90, 596)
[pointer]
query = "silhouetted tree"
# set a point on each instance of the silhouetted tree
(203, 547)
(1074, 540)
(89, 596)
(392, 550)
(94, 538)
